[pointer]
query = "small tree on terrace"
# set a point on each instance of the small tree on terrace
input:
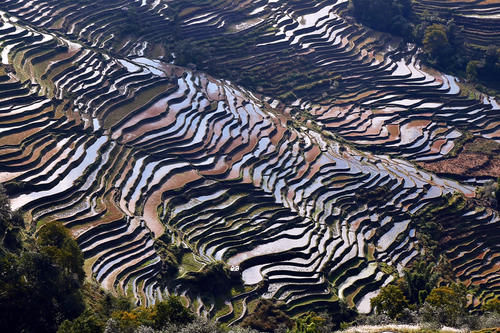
(171, 311)
(446, 305)
(56, 242)
(436, 42)
(419, 281)
(390, 301)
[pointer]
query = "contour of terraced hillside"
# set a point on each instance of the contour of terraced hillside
(479, 18)
(301, 171)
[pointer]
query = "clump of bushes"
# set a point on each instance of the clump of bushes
(417, 298)
(267, 317)
(392, 16)
(40, 277)
(215, 279)
(170, 255)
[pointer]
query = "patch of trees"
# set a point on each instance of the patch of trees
(268, 317)
(393, 16)
(185, 53)
(214, 279)
(429, 224)
(443, 45)
(489, 194)
(485, 67)
(40, 277)
(128, 319)
(373, 196)
(423, 296)
(135, 23)
(170, 256)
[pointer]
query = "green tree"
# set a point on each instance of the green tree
(310, 322)
(267, 317)
(385, 15)
(471, 70)
(171, 311)
(55, 241)
(87, 322)
(11, 225)
(436, 42)
(38, 285)
(390, 301)
(419, 281)
(449, 302)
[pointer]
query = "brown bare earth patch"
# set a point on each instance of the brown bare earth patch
(481, 157)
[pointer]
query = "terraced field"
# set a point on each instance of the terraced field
(304, 179)
(480, 18)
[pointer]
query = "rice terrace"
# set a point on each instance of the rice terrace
(310, 153)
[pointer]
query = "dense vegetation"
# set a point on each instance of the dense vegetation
(393, 16)
(424, 295)
(41, 277)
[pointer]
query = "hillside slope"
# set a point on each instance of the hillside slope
(297, 166)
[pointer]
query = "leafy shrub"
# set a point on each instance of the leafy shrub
(266, 317)
(198, 325)
(312, 322)
(445, 305)
(384, 15)
(87, 322)
(55, 241)
(391, 301)
(214, 279)
(171, 311)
